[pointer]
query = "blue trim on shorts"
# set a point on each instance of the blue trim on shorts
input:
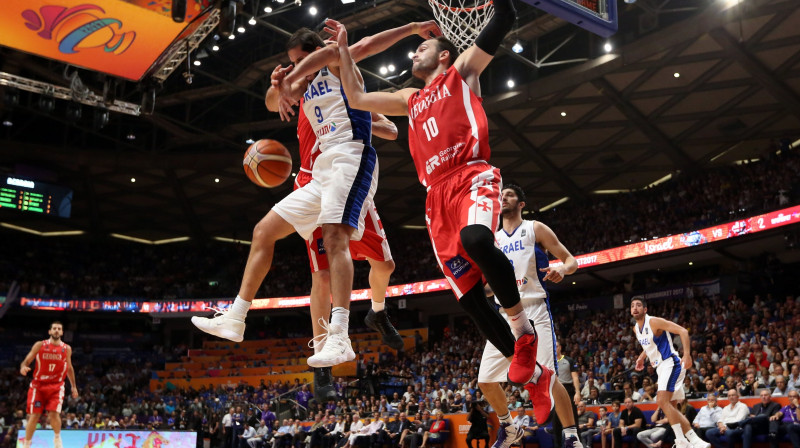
(360, 188)
(541, 262)
(676, 372)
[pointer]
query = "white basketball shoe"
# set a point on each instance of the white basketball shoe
(221, 325)
(336, 349)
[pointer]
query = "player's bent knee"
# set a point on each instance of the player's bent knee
(476, 238)
(382, 267)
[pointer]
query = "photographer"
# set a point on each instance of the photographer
(479, 429)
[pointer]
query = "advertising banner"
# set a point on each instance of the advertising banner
(78, 438)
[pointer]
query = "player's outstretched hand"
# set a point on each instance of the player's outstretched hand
(24, 370)
(341, 34)
(555, 274)
(427, 30)
(286, 101)
(332, 27)
(278, 74)
(639, 364)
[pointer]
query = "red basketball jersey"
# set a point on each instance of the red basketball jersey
(51, 363)
(309, 148)
(447, 127)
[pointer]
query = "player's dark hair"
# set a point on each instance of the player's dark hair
(306, 39)
(443, 44)
(56, 323)
(518, 191)
(641, 299)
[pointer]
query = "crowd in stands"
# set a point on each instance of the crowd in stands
(737, 345)
(81, 267)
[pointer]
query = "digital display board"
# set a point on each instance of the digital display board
(79, 438)
(734, 229)
(37, 197)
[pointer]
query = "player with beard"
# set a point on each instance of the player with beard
(46, 393)
(449, 142)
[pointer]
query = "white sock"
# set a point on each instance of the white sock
(693, 437)
(239, 309)
(676, 428)
(520, 324)
(378, 306)
(340, 317)
(537, 372)
(506, 418)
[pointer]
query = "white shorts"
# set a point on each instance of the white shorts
(494, 366)
(344, 181)
(670, 377)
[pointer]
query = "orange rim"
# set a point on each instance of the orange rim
(453, 9)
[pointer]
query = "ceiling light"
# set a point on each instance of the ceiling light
(215, 48)
(8, 123)
(249, 141)
(280, 1)
(607, 47)
(133, 179)
(241, 29)
(410, 55)
(517, 48)
(391, 67)
(383, 70)
(563, 114)
(510, 83)
(294, 174)
(690, 263)
(231, 36)
(131, 136)
(197, 63)
(268, 9)
(216, 179)
(676, 74)
(573, 283)
(312, 10)
(345, 2)
(252, 21)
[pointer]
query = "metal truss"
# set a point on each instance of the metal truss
(88, 98)
(180, 50)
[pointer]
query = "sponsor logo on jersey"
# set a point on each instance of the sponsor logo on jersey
(327, 129)
(320, 247)
(53, 356)
(37, 404)
(522, 281)
(425, 102)
(318, 89)
(522, 233)
(458, 265)
(431, 164)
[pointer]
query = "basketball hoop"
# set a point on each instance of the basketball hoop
(462, 20)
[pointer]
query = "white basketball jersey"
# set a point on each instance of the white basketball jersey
(657, 348)
(331, 117)
(520, 248)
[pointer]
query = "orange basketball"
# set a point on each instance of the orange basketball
(267, 163)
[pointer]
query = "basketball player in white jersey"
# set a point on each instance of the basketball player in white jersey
(520, 240)
(653, 333)
(345, 177)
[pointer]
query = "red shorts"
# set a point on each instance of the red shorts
(469, 196)
(45, 397)
(372, 245)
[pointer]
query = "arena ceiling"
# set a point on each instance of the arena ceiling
(596, 122)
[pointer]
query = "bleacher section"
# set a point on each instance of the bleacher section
(225, 363)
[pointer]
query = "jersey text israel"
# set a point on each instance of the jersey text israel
(51, 363)
(520, 248)
(447, 127)
(657, 348)
(331, 118)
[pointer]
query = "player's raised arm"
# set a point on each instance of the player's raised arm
(24, 368)
(380, 42)
(659, 324)
(273, 96)
(387, 103)
(383, 127)
(71, 373)
(548, 239)
(474, 59)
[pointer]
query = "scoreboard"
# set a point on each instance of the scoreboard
(36, 197)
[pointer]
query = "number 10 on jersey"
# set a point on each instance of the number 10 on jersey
(431, 128)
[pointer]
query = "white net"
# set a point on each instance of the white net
(462, 20)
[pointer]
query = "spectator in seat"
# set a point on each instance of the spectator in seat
(631, 421)
(394, 428)
(602, 421)
(760, 417)
(437, 430)
(653, 437)
(283, 434)
(586, 419)
(781, 387)
(786, 421)
(248, 433)
(732, 416)
(707, 417)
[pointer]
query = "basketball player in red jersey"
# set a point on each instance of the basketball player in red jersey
(53, 362)
(449, 142)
